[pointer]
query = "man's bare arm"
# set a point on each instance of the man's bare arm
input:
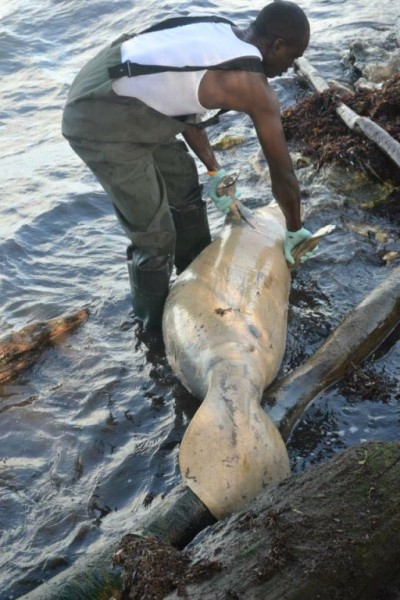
(285, 186)
(251, 94)
(198, 141)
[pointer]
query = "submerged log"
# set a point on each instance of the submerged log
(357, 336)
(365, 125)
(331, 533)
(19, 350)
(94, 576)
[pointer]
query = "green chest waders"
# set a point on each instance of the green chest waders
(104, 129)
(151, 180)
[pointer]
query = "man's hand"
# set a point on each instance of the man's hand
(293, 239)
(223, 203)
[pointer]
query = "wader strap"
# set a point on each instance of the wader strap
(122, 38)
(179, 21)
(130, 69)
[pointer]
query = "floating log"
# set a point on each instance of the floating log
(19, 350)
(357, 336)
(365, 125)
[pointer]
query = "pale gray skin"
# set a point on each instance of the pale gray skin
(225, 333)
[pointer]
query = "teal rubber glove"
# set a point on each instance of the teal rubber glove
(293, 239)
(223, 203)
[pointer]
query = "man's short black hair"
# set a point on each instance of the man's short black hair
(282, 19)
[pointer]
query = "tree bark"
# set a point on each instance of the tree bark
(356, 337)
(20, 349)
(332, 533)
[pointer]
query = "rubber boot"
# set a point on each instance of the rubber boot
(192, 232)
(149, 279)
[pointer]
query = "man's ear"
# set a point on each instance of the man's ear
(278, 45)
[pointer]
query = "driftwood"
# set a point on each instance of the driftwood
(356, 337)
(20, 349)
(371, 130)
(333, 533)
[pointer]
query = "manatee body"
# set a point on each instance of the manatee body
(224, 329)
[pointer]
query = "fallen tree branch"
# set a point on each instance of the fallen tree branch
(357, 336)
(355, 122)
(20, 349)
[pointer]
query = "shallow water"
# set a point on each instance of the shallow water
(90, 433)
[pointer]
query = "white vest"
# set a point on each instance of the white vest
(171, 93)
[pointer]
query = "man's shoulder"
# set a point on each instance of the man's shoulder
(243, 91)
